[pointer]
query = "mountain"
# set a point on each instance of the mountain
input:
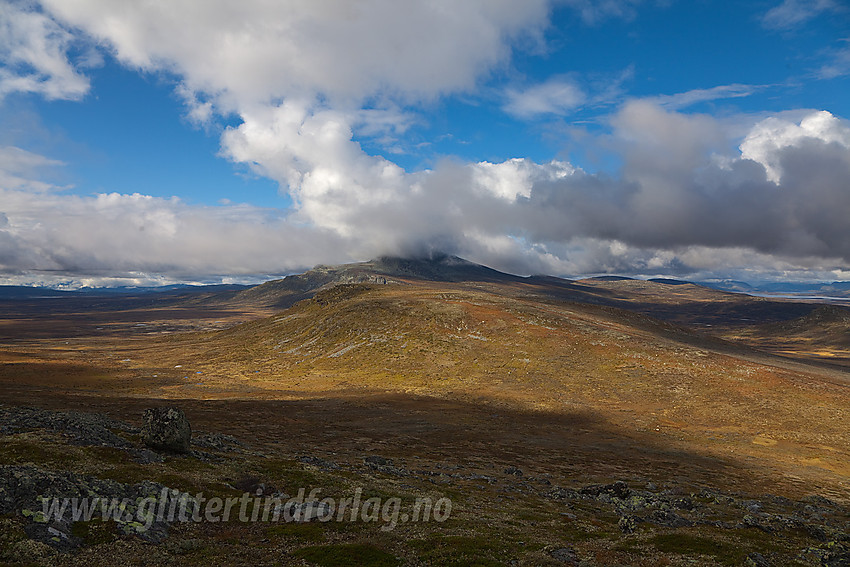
(669, 281)
(610, 278)
(817, 289)
(384, 270)
(599, 419)
(676, 301)
(38, 292)
(29, 292)
(477, 336)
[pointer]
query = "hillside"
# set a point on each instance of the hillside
(563, 419)
(463, 342)
(676, 301)
(823, 333)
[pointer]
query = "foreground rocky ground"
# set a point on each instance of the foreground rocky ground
(502, 513)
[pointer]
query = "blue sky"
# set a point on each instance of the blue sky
(238, 142)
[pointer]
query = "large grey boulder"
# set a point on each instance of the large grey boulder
(166, 429)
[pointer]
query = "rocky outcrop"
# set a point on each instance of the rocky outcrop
(54, 503)
(82, 428)
(166, 429)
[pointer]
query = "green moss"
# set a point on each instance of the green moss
(107, 455)
(308, 532)
(577, 532)
(763, 542)
(30, 452)
(342, 555)
(186, 546)
(631, 546)
(461, 550)
(685, 544)
(291, 474)
(11, 532)
(187, 464)
(95, 532)
(134, 474)
(133, 438)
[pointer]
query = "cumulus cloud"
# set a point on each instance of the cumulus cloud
(683, 184)
(685, 202)
(52, 236)
(767, 140)
(255, 51)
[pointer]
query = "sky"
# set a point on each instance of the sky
(149, 142)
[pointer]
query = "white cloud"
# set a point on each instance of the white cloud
(792, 13)
(18, 169)
(200, 112)
(558, 96)
(17, 161)
(254, 51)
(33, 55)
(122, 236)
(303, 75)
(594, 11)
(765, 142)
(838, 64)
(688, 98)
(516, 177)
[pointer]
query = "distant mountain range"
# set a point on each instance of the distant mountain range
(803, 289)
(438, 267)
(823, 289)
(37, 292)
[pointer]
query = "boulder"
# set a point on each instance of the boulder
(564, 555)
(619, 490)
(377, 461)
(166, 429)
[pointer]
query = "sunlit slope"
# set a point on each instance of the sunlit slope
(823, 333)
(429, 337)
(448, 340)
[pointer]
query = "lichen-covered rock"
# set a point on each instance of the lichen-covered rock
(31, 551)
(82, 428)
(564, 555)
(832, 554)
(628, 524)
(318, 462)
(50, 503)
(378, 461)
(756, 560)
(218, 442)
(166, 429)
(619, 490)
